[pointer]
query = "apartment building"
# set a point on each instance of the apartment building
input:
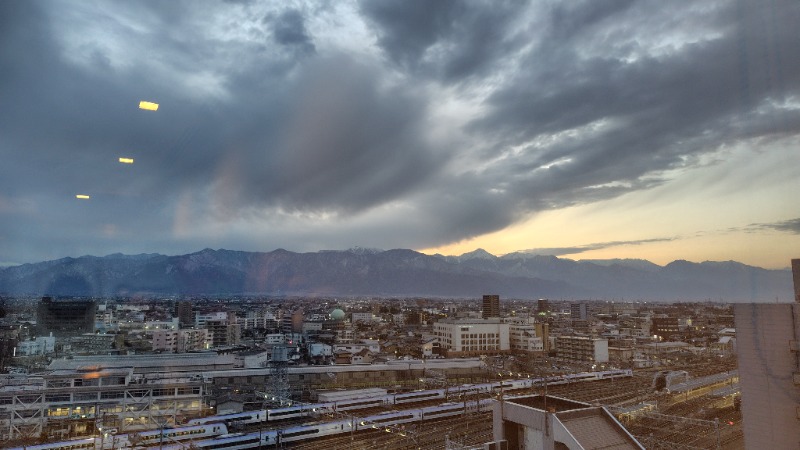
(181, 341)
(582, 349)
(529, 337)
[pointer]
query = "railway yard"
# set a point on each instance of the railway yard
(696, 410)
(700, 418)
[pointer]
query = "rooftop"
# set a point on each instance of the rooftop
(594, 428)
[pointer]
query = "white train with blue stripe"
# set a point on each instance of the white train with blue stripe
(311, 410)
(212, 432)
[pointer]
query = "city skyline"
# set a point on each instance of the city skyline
(588, 130)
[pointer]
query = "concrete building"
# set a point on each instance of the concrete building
(184, 313)
(768, 350)
(553, 423)
(528, 336)
(767, 337)
(292, 322)
(664, 327)
(542, 306)
(491, 306)
(38, 346)
(319, 349)
(362, 317)
(578, 311)
(96, 344)
(105, 320)
(473, 336)
(203, 317)
(582, 349)
(223, 333)
(65, 317)
(252, 359)
(312, 327)
(73, 402)
(256, 319)
(181, 341)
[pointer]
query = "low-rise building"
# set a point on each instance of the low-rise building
(362, 317)
(41, 345)
(96, 344)
(371, 345)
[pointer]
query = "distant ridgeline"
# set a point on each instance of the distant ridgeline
(395, 273)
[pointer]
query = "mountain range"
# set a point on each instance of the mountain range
(399, 272)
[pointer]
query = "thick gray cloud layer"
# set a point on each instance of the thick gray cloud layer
(321, 127)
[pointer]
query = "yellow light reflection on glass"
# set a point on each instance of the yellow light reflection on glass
(126, 160)
(148, 105)
(82, 196)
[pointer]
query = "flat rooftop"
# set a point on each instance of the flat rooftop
(549, 403)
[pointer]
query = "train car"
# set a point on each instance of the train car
(244, 418)
(361, 403)
(77, 444)
(145, 438)
(469, 390)
(443, 410)
(154, 437)
(314, 431)
(388, 419)
(619, 373)
(292, 412)
(418, 396)
(239, 441)
(502, 386)
(519, 384)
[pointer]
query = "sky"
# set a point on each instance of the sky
(584, 129)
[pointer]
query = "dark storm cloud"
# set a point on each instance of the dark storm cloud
(345, 143)
(289, 29)
(559, 251)
(591, 112)
(331, 143)
(632, 119)
(448, 39)
(331, 137)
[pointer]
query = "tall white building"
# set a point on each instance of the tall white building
(473, 336)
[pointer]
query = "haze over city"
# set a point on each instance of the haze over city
(597, 129)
